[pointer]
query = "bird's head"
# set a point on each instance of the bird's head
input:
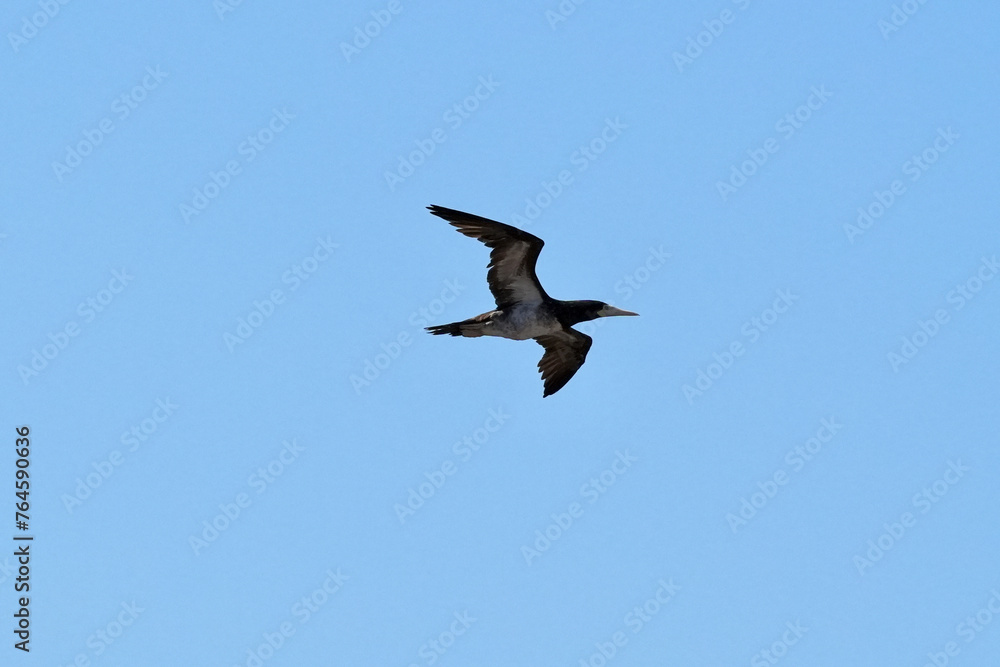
(591, 310)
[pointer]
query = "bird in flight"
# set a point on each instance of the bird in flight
(523, 309)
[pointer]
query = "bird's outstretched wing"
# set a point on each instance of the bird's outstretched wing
(511, 274)
(565, 352)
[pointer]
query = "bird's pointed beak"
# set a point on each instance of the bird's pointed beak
(609, 311)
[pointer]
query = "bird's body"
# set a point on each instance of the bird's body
(523, 321)
(524, 310)
(518, 322)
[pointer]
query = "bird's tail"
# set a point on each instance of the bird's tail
(453, 329)
(470, 328)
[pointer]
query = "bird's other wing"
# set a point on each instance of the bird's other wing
(565, 352)
(511, 274)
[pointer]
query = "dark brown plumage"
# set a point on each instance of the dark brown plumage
(524, 310)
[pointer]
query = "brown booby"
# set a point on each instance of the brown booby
(523, 309)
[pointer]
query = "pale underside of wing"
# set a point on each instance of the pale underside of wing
(565, 352)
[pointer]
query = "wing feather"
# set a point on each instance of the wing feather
(511, 275)
(565, 352)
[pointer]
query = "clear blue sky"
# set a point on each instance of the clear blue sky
(217, 264)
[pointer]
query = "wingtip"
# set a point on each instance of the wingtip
(440, 211)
